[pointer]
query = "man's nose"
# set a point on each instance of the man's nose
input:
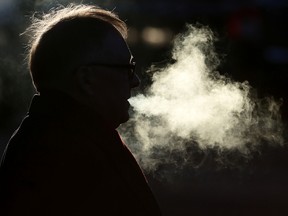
(135, 82)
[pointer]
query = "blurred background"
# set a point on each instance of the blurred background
(253, 46)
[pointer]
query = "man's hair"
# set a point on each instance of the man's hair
(61, 39)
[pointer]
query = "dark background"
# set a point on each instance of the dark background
(252, 42)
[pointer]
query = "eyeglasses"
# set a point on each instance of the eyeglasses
(130, 67)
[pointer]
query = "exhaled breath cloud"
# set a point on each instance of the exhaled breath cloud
(190, 105)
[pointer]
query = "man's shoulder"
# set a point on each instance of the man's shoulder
(47, 145)
(51, 136)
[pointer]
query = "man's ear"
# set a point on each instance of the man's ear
(84, 79)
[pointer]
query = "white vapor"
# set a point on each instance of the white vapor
(189, 103)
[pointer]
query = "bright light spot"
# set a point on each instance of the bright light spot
(156, 36)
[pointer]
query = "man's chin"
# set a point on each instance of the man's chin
(125, 118)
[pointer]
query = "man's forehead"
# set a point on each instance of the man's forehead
(112, 49)
(117, 48)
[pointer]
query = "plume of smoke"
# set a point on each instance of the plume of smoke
(191, 106)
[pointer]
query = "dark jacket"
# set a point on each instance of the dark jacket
(64, 161)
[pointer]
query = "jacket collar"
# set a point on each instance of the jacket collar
(56, 104)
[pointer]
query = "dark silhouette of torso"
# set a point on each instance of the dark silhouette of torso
(64, 160)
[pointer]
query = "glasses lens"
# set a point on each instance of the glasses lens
(131, 67)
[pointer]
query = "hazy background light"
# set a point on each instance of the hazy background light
(7, 8)
(156, 36)
(3, 38)
(46, 4)
(6, 4)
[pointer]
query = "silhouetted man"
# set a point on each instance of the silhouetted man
(66, 158)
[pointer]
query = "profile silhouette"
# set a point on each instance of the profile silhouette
(67, 158)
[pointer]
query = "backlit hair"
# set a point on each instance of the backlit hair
(59, 37)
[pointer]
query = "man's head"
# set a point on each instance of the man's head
(82, 51)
